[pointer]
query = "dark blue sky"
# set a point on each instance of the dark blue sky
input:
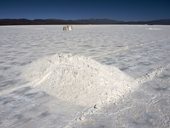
(81, 9)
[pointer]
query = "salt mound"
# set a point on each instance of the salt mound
(78, 80)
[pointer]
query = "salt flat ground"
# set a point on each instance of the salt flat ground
(141, 51)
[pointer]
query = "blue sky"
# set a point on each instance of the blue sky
(82, 9)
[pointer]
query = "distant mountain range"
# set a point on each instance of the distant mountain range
(80, 21)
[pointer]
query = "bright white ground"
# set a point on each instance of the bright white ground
(135, 50)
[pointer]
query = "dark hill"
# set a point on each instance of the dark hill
(80, 21)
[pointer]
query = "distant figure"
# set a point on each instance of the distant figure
(67, 28)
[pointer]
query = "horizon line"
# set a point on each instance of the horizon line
(83, 19)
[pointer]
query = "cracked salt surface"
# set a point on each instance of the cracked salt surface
(141, 53)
